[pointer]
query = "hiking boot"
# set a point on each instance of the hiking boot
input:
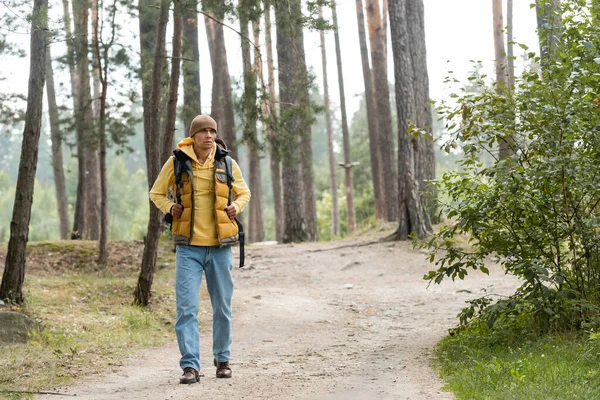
(223, 370)
(190, 375)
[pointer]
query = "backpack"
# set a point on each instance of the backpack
(180, 160)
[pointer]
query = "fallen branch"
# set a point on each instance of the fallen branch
(35, 392)
(351, 245)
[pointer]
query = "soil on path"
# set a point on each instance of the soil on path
(315, 321)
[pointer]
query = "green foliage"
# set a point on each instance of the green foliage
(479, 364)
(537, 211)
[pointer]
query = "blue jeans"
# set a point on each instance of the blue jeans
(216, 262)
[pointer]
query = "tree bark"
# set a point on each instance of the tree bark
(152, 140)
(13, 277)
(384, 116)
(410, 218)
(274, 152)
(424, 150)
(549, 25)
(256, 232)
(510, 45)
(190, 67)
(376, 170)
(500, 63)
(167, 141)
(57, 155)
(289, 96)
(222, 97)
(335, 208)
(348, 181)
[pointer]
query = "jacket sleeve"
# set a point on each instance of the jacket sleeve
(240, 188)
(160, 189)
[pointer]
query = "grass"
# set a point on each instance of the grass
(88, 322)
(565, 366)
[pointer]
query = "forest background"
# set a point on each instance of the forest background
(456, 37)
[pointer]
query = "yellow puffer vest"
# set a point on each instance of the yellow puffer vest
(183, 227)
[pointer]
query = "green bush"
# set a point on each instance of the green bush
(537, 211)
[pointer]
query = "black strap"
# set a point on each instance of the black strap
(229, 200)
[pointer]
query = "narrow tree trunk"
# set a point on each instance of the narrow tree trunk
(384, 29)
(167, 140)
(425, 152)
(335, 208)
(287, 29)
(274, 152)
(57, 156)
(13, 277)
(153, 141)
(216, 111)
(256, 232)
(500, 62)
(375, 150)
(351, 215)
(510, 45)
(410, 218)
(384, 116)
(80, 201)
(220, 68)
(190, 66)
(549, 27)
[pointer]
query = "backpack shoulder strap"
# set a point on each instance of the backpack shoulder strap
(230, 180)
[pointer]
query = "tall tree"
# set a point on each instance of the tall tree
(348, 181)
(423, 145)
(250, 113)
(500, 63)
(335, 208)
(222, 100)
(85, 222)
(375, 149)
(169, 132)
(57, 155)
(152, 142)
(190, 65)
(549, 25)
(384, 116)
(510, 53)
(271, 120)
(292, 80)
(411, 216)
(13, 277)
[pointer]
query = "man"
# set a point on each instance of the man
(204, 227)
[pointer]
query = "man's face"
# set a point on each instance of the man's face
(205, 138)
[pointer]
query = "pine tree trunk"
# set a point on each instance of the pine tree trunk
(13, 277)
(335, 208)
(384, 116)
(500, 63)
(256, 232)
(351, 215)
(549, 27)
(375, 150)
(80, 201)
(57, 155)
(425, 157)
(411, 216)
(169, 133)
(274, 152)
(153, 145)
(190, 67)
(510, 53)
(222, 96)
(295, 225)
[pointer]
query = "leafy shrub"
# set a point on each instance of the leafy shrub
(538, 209)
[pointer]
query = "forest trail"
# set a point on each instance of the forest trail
(314, 321)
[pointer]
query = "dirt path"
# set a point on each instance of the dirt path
(311, 322)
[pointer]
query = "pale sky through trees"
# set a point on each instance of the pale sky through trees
(456, 31)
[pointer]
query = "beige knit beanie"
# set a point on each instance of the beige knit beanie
(201, 122)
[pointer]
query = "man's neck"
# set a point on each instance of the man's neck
(202, 154)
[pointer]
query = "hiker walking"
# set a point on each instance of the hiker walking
(209, 192)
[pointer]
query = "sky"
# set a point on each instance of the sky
(456, 32)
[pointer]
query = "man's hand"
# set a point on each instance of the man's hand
(177, 210)
(231, 211)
